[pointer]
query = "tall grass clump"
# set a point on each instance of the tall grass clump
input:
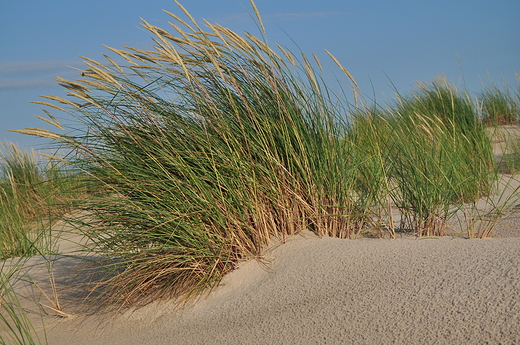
(209, 144)
(33, 192)
(436, 155)
(511, 158)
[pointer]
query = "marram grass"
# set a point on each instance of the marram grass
(499, 106)
(426, 155)
(208, 145)
(15, 325)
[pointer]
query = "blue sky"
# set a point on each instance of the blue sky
(381, 43)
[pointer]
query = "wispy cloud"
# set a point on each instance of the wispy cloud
(25, 67)
(303, 15)
(25, 84)
(241, 17)
(34, 74)
(290, 16)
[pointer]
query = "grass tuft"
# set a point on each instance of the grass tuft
(208, 145)
(15, 325)
(499, 106)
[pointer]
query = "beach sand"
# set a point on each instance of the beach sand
(311, 290)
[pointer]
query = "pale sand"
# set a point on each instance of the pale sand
(446, 290)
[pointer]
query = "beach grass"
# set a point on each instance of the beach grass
(511, 158)
(367, 139)
(34, 193)
(219, 148)
(440, 157)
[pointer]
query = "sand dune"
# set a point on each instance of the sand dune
(446, 290)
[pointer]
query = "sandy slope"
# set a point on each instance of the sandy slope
(332, 291)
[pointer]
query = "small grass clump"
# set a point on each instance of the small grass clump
(32, 193)
(512, 159)
(442, 112)
(15, 325)
(499, 106)
(510, 162)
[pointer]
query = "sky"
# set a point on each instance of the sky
(386, 45)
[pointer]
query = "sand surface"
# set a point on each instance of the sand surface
(448, 290)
